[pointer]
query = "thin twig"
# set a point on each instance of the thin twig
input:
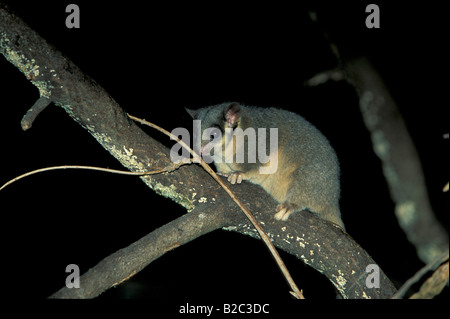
(93, 168)
(418, 275)
(296, 292)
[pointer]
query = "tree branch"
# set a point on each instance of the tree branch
(126, 262)
(400, 161)
(316, 242)
(393, 145)
(33, 112)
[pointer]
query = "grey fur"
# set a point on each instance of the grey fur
(308, 166)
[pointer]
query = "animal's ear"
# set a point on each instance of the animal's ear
(232, 114)
(192, 113)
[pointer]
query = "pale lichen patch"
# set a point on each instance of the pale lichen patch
(45, 88)
(340, 280)
(27, 66)
(380, 145)
(126, 158)
(201, 216)
(364, 295)
(406, 213)
(128, 152)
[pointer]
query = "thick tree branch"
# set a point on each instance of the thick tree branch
(319, 244)
(126, 262)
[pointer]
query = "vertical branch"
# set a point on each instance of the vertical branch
(393, 145)
(401, 165)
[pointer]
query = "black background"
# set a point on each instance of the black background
(156, 60)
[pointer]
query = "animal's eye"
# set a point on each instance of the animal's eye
(215, 132)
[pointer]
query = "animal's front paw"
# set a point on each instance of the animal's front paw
(234, 177)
